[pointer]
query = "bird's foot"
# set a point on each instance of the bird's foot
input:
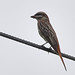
(44, 43)
(50, 47)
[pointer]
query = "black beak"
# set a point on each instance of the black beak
(33, 17)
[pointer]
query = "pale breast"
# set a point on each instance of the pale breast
(39, 30)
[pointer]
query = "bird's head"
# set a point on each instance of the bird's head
(40, 16)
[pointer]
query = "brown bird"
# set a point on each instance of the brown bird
(47, 32)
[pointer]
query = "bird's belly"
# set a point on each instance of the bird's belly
(42, 35)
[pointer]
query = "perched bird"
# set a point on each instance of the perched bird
(47, 32)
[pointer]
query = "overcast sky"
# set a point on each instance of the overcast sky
(20, 59)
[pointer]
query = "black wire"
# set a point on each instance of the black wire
(35, 45)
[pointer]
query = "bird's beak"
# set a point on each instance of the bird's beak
(33, 17)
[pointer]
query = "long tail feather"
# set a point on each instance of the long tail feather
(59, 53)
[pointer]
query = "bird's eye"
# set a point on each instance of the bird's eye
(38, 16)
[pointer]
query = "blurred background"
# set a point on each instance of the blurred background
(20, 59)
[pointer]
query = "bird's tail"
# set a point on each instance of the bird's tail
(59, 53)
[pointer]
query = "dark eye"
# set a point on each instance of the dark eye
(39, 16)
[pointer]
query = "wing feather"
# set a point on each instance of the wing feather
(48, 34)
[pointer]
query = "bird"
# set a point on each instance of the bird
(47, 32)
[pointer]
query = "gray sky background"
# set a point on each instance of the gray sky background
(19, 59)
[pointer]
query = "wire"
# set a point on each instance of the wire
(49, 50)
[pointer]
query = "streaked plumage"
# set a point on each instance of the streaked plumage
(47, 32)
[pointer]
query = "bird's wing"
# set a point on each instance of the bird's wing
(49, 34)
